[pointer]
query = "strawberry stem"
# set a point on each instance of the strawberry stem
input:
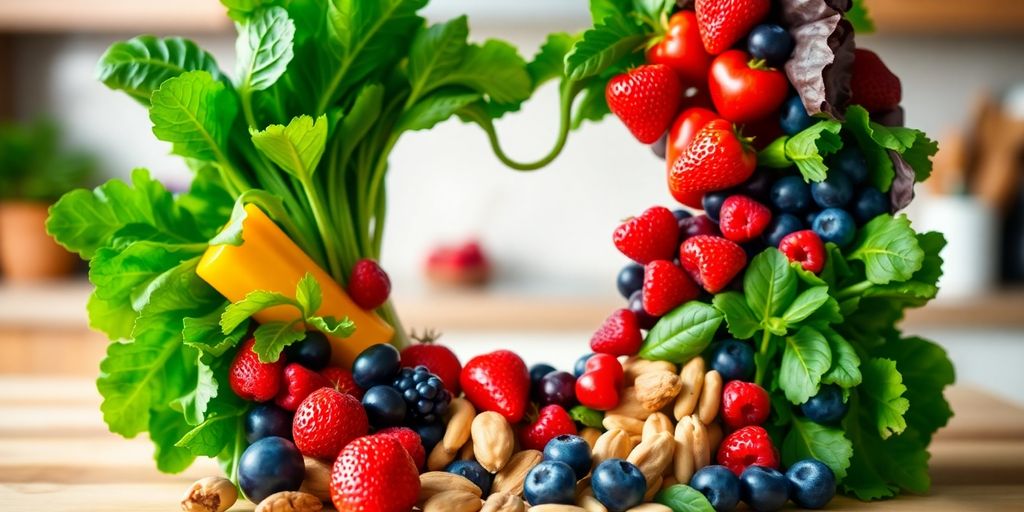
(759, 65)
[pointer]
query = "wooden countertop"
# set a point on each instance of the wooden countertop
(56, 455)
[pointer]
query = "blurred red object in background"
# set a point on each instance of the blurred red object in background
(460, 265)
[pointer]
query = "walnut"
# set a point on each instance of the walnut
(290, 501)
(211, 494)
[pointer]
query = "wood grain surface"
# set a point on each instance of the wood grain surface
(56, 455)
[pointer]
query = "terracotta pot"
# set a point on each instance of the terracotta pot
(27, 253)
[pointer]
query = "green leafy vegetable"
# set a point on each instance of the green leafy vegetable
(683, 498)
(883, 396)
(809, 440)
(140, 65)
(805, 360)
(682, 334)
(587, 417)
(889, 249)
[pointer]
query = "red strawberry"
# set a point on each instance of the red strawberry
(646, 99)
(806, 248)
(498, 381)
(439, 359)
(374, 474)
(326, 421)
(252, 380)
(716, 160)
(666, 286)
(712, 261)
(748, 446)
(744, 404)
(552, 421)
(299, 382)
(724, 22)
(651, 236)
(743, 219)
(874, 86)
(619, 335)
(343, 381)
(410, 440)
(368, 285)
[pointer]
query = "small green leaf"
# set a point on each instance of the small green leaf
(806, 304)
(194, 112)
(435, 52)
(204, 333)
(683, 498)
(603, 46)
(140, 65)
(807, 357)
(889, 249)
(682, 334)
(263, 48)
(859, 17)
(601, 9)
(845, 371)
(212, 436)
(653, 11)
(587, 417)
(254, 302)
(809, 440)
(436, 108)
(332, 326)
(308, 295)
(494, 69)
(273, 206)
(926, 371)
(296, 148)
(273, 337)
(806, 149)
(882, 393)
(770, 285)
(549, 62)
(738, 317)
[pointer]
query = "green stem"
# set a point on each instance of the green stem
(327, 233)
(855, 290)
(378, 226)
(388, 313)
(766, 339)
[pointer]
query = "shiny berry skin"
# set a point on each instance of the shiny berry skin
(651, 236)
(619, 334)
(827, 407)
(794, 118)
(439, 359)
(835, 192)
(326, 421)
(764, 489)
(552, 421)
(733, 360)
(836, 226)
(771, 43)
(313, 351)
(556, 388)
(299, 382)
(572, 450)
(497, 381)
(852, 163)
(744, 404)
(712, 203)
(696, 226)
(618, 485)
(430, 434)
(646, 99)
(377, 364)
(374, 473)
(806, 248)
(630, 279)
(473, 472)
(870, 203)
(580, 366)
(645, 320)
(743, 219)
(251, 379)
(666, 287)
(267, 420)
(607, 364)
(368, 284)
(385, 406)
(812, 484)
(746, 447)
(550, 482)
(270, 465)
(719, 485)
(409, 440)
(426, 398)
(681, 214)
(781, 226)
(537, 372)
(791, 195)
(601, 383)
(712, 262)
(343, 381)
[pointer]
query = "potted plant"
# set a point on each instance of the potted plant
(34, 172)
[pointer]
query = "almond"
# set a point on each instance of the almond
(656, 424)
(493, 440)
(627, 424)
(692, 379)
(511, 478)
(613, 444)
(630, 406)
(653, 457)
(710, 397)
(453, 501)
(318, 479)
(439, 458)
(436, 482)
(657, 389)
(457, 432)
(503, 502)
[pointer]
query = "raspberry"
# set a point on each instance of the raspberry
(806, 248)
(743, 219)
(744, 404)
(748, 446)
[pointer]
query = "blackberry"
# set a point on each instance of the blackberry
(424, 393)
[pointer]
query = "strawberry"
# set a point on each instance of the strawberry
(619, 335)
(409, 440)
(712, 261)
(552, 421)
(719, 158)
(299, 382)
(744, 404)
(498, 381)
(748, 446)
(368, 284)
(326, 421)
(252, 380)
(743, 219)
(651, 236)
(646, 99)
(343, 381)
(439, 359)
(806, 248)
(874, 86)
(374, 474)
(724, 22)
(666, 286)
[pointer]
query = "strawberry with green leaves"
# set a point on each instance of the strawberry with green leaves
(646, 99)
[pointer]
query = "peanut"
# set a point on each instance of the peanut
(655, 424)
(511, 478)
(493, 440)
(683, 463)
(613, 444)
(710, 397)
(453, 501)
(653, 457)
(590, 434)
(211, 494)
(692, 379)
(627, 424)
(436, 482)
(630, 406)
(503, 502)
(657, 389)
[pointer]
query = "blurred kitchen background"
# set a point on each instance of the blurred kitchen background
(546, 234)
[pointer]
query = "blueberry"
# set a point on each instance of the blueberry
(550, 482)
(376, 365)
(870, 204)
(719, 485)
(759, 186)
(430, 434)
(733, 359)
(618, 485)
(385, 406)
(836, 226)
(270, 465)
(712, 203)
(780, 226)
(581, 364)
(794, 118)
(764, 489)
(835, 192)
(643, 318)
(791, 195)
(267, 420)
(473, 472)
(681, 214)
(556, 388)
(812, 484)
(537, 372)
(851, 162)
(771, 43)
(630, 279)
(313, 352)
(810, 216)
(572, 450)
(827, 407)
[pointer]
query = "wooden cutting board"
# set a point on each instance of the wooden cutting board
(56, 455)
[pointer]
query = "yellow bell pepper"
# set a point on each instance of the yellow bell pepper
(269, 260)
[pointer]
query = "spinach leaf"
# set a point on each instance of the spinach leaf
(682, 334)
(806, 358)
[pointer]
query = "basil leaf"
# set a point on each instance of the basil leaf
(254, 302)
(882, 392)
(845, 371)
(806, 304)
(587, 417)
(140, 65)
(682, 334)
(806, 148)
(806, 358)
(193, 112)
(769, 284)
(809, 440)
(602, 46)
(296, 148)
(263, 48)
(273, 337)
(738, 317)
(889, 249)
(683, 498)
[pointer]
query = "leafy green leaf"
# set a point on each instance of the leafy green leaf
(195, 403)
(876, 140)
(738, 317)
(495, 69)
(860, 19)
(193, 112)
(273, 206)
(770, 285)
(549, 62)
(926, 371)
(601, 9)
(308, 295)
(360, 118)
(435, 52)
(587, 417)
(602, 46)
(682, 334)
(889, 249)
(653, 11)
(806, 304)
(140, 65)
(683, 498)
(296, 148)
(332, 326)
(165, 428)
(204, 333)
(264, 48)
(882, 393)
(809, 440)
(273, 337)
(845, 370)
(254, 302)
(437, 107)
(806, 358)
(774, 156)
(806, 149)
